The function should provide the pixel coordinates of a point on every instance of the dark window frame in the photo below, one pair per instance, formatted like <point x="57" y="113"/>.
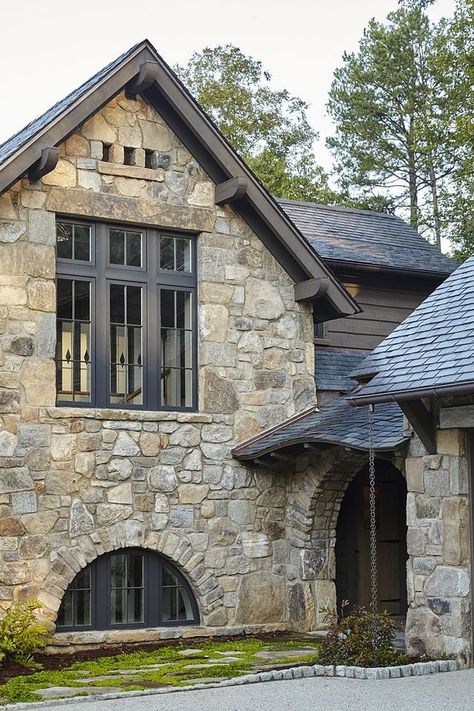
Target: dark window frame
<point x="152" y="594"/>
<point x="100" y="272"/>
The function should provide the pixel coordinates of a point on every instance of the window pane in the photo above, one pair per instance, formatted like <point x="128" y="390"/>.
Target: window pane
<point x="64" y="240"/>
<point x="82" y="238"/>
<point x="183" y="255"/>
<point x="167" y="253"/>
<point x="117" y="303"/>
<point x="176" y="603"/>
<point x="183" y="309"/>
<point x="134" y="249"/>
<point x="168" y="604"/>
<point x="184" y="607"/>
<point x="64" y="297"/>
<point x="118" y="570"/>
<point x="167" y="308"/>
<point x="126" y="348"/>
<point x="135" y="606"/>
<point x="65" y="618"/>
<point x="82" y="579"/>
<point x="118" y="606"/>
<point x="135" y="570"/>
<point x="176" y="348"/>
<point x="82" y="607"/>
<point x="175" y="254"/>
<point x="134" y="305"/>
<point x="117" y="247"/>
<point x="82" y="300"/>
<point x="73" y="343"/>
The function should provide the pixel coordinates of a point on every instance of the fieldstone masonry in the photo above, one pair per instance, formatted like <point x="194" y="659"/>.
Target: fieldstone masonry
<point x="257" y="546"/>
<point x="439" y="595"/>
<point x="78" y="482"/>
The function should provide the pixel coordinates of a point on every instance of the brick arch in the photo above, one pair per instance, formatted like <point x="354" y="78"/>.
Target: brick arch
<point x="128" y="534"/>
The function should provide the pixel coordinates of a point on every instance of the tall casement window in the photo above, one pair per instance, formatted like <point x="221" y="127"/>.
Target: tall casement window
<point x="127" y="588"/>
<point x="126" y="317"/>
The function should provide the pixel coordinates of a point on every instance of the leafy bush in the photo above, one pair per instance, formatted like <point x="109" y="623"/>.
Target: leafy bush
<point x="361" y="638"/>
<point x="21" y="634"/>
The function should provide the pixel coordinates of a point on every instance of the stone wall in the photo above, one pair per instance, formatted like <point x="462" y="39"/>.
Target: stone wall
<point x="439" y="596"/>
<point x="74" y="482"/>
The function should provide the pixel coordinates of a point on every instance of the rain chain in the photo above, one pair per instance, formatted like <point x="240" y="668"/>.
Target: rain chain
<point x="373" y="520"/>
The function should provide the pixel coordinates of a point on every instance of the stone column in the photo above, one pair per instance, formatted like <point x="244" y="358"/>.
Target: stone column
<point x="438" y="568"/>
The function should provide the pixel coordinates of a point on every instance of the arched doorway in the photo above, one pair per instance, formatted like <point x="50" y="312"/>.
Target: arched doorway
<point x="352" y="541"/>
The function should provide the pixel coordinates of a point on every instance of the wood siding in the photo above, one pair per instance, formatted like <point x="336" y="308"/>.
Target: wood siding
<point x="383" y="310"/>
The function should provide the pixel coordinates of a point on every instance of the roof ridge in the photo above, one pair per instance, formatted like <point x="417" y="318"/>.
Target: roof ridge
<point x="338" y="208"/>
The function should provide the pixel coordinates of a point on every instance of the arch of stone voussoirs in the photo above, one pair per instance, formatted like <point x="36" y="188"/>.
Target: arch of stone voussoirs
<point x="132" y="534"/>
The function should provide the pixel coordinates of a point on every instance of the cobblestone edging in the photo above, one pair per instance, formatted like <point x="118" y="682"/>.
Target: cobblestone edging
<point x="405" y="670"/>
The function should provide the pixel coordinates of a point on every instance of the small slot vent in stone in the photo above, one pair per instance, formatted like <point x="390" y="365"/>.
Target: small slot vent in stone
<point x="106" y="152"/>
<point x="128" y="154"/>
<point x="150" y="158"/>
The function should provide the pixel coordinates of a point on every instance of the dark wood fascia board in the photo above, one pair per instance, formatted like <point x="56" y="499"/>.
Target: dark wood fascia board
<point x="311" y="289"/>
<point x="231" y="190"/>
<point x="146" y="77"/>
<point x="63" y="125"/>
<point x="208" y="146"/>
<point x="46" y="163"/>
<point x="377" y="273"/>
<point x="421" y="419"/>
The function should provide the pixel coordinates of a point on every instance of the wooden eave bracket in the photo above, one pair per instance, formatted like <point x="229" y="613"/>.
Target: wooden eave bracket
<point x="312" y="289"/>
<point x="45" y="164"/>
<point x="421" y="419"/>
<point x="144" y="79"/>
<point x="231" y="190"/>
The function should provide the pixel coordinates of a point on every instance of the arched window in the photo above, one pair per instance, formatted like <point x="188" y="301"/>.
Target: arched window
<point x="127" y="588"/>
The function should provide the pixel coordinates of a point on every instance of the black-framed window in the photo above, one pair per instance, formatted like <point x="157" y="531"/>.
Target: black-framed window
<point x="126" y="317"/>
<point x="127" y="588"/>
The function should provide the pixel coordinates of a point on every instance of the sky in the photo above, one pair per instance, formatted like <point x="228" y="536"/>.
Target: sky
<point x="49" y="47"/>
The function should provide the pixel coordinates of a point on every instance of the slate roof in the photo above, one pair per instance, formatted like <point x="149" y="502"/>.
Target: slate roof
<point x="431" y="352"/>
<point x="333" y="367"/>
<point x="15" y="142"/>
<point x="363" y="237"/>
<point x="336" y="423"/>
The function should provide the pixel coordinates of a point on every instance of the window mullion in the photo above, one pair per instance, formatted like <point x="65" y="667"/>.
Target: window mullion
<point x="152" y="334"/>
<point x="101" y="321"/>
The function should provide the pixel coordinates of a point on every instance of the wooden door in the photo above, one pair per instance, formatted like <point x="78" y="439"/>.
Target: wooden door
<point x="352" y="542"/>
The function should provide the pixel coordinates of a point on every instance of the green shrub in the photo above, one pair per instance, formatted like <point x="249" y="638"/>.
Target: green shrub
<point x="21" y="634"/>
<point x="361" y="638"/>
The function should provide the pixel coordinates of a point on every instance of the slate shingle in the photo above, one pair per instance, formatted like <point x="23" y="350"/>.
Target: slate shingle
<point x="433" y="348"/>
<point x="365" y="237"/>
<point x="333" y="367"/>
<point x="336" y="423"/>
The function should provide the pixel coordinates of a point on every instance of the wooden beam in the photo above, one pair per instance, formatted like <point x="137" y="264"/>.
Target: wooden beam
<point x="231" y="190"/>
<point x="281" y="457"/>
<point x="312" y="289"/>
<point x="421" y="420"/>
<point x="46" y="163"/>
<point x="147" y="75"/>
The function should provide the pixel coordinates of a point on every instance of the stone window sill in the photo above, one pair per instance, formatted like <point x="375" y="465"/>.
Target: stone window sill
<point x="96" y="413"/>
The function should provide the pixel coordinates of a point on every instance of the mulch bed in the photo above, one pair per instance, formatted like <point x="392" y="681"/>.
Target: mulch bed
<point x="9" y="669"/>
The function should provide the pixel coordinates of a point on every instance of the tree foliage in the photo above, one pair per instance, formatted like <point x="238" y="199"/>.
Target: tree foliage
<point x="268" y="127"/>
<point x="391" y="102"/>
<point x="457" y="59"/>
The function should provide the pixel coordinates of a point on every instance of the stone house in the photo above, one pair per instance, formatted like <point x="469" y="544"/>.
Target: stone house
<point x="164" y="462"/>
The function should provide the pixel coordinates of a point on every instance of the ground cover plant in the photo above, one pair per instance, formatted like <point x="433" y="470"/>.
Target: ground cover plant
<point x="171" y="665"/>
